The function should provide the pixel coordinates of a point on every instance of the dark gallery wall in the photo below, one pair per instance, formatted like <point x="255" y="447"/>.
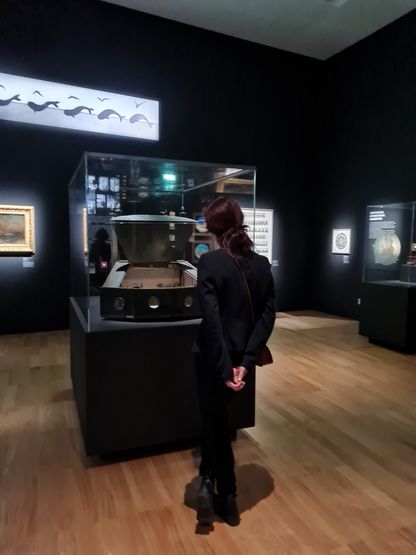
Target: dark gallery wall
<point x="328" y="138"/>
<point x="367" y="152"/>
<point x="222" y="100"/>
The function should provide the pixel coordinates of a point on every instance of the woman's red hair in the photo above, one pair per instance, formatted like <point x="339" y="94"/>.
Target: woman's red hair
<point x="225" y="219"/>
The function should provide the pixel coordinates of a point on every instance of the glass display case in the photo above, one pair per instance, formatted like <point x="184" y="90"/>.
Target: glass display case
<point x="388" y="294"/>
<point x="390" y="248"/>
<point x="137" y="233"/>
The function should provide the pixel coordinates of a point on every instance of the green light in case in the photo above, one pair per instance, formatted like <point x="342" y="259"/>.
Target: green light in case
<point x="171" y="177"/>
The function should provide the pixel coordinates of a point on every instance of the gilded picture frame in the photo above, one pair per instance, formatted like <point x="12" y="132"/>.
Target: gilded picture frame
<point x="17" y="229"/>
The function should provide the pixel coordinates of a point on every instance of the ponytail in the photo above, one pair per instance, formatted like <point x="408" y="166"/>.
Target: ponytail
<point x="237" y="242"/>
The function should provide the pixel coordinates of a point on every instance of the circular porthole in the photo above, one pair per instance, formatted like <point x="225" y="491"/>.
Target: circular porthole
<point x="153" y="302"/>
<point x="201" y="225"/>
<point x="200" y="249"/>
<point x="119" y="303"/>
<point x="189" y="301"/>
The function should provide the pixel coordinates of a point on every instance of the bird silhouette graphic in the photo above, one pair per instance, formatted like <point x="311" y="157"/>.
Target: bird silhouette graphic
<point x="139" y="103"/>
<point x="72" y="96"/>
<point x="102" y="99"/>
<point x="37" y="92"/>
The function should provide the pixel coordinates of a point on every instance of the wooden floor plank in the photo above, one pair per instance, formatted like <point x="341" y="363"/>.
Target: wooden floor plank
<point x="330" y="467"/>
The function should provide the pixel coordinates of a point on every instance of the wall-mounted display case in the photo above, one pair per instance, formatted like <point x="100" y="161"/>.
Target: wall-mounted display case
<point x="390" y="252"/>
<point x="137" y="232"/>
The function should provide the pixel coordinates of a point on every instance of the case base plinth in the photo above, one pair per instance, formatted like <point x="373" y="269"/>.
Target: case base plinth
<point x="388" y="315"/>
<point x="408" y="273"/>
<point x="134" y="383"/>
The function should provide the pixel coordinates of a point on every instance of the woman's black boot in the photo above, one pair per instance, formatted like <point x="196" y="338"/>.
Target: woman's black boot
<point x="205" y="502"/>
<point x="226" y="507"/>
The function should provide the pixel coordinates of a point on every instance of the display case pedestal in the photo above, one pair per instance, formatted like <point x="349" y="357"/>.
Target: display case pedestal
<point x="134" y="383"/>
<point x="388" y="314"/>
<point x="408" y="273"/>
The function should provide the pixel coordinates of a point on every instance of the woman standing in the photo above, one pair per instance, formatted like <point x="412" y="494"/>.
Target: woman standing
<point x="227" y="345"/>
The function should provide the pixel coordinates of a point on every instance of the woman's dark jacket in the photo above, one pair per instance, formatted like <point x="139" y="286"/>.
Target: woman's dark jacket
<point x="227" y="324"/>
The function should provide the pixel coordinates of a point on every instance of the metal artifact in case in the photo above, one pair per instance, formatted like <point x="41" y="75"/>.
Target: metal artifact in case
<point x="155" y="281"/>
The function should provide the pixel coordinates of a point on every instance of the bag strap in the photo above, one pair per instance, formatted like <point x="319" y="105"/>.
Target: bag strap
<point x="246" y="285"/>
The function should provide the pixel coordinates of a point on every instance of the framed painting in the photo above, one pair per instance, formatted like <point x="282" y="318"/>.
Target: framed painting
<point x="341" y="241"/>
<point x="17" y="229"/>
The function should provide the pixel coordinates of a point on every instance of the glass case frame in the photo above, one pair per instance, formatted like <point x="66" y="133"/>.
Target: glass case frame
<point x="107" y="186"/>
<point x="390" y="245"/>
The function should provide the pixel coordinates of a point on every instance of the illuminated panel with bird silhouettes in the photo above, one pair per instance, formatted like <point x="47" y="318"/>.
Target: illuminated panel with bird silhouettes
<point x="32" y="101"/>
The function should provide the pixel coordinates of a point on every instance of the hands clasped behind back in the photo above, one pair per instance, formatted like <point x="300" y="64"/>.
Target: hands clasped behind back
<point x="237" y="383"/>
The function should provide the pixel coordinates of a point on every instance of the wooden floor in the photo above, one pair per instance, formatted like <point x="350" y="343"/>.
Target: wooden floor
<point x="330" y="467"/>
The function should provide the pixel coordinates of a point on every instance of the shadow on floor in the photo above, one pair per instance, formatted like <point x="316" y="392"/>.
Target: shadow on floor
<point x="254" y="483"/>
